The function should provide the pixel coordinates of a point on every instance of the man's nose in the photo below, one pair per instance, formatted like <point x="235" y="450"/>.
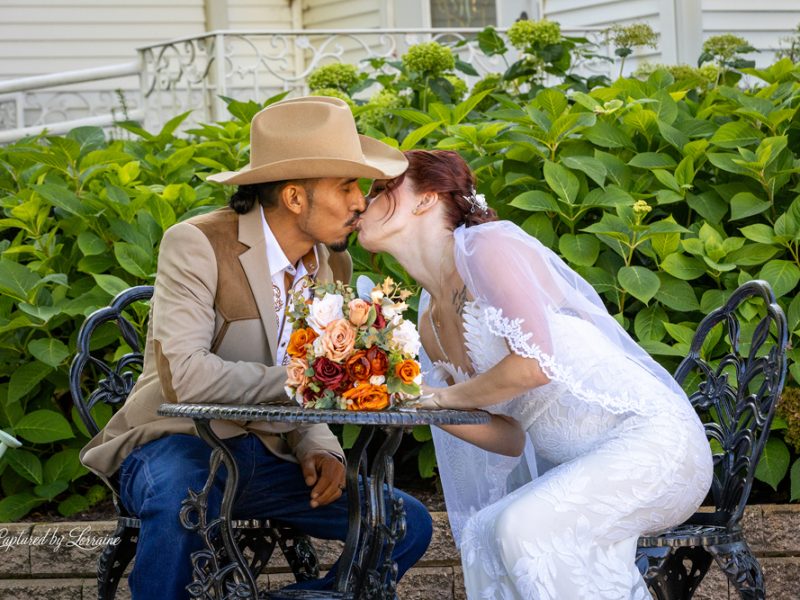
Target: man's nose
<point x="361" y="203"/>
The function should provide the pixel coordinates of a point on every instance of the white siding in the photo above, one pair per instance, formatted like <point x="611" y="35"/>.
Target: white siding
<point x="259" y="14"/>
<point x="341" y="14"/>
<point x="46" y="36"/>
<point x="574" y="14"/>
<point x="763" y="24"/>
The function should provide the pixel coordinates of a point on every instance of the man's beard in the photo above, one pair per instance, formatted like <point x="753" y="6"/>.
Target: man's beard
<point x="339" y="246"/>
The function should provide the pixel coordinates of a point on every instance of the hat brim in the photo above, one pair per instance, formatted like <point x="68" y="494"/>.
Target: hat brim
<point x="381" y="161"/>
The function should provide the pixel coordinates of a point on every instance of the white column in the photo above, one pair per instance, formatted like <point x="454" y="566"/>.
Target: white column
<point x="216" y="12"/>
<point x="689" y="21"/>
<point x="681" y="31"/>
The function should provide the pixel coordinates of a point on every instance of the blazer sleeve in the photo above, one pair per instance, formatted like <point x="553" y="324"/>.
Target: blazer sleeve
<point x="183" y="319"/>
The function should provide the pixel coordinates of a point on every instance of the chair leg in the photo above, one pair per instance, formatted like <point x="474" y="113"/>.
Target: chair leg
<point x="299" y="553"/>
<point x="673" y="573"/>
<point x="113" y="561"/>
<point x="742" y="569"/>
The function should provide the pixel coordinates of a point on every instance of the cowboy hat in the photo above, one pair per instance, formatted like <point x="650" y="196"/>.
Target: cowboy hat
<point x="310" y="137"/>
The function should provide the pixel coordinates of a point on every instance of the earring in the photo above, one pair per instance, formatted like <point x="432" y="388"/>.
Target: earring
<point x="415" y="211"/>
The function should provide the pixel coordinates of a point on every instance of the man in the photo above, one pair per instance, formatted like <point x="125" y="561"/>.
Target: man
<point x="217" y="333"/>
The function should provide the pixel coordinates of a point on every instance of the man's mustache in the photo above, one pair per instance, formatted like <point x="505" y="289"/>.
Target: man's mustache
<point x="354" y="219"/>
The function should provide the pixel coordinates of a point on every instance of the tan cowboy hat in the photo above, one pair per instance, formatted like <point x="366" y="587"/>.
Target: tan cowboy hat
<point x="310" y="137"/>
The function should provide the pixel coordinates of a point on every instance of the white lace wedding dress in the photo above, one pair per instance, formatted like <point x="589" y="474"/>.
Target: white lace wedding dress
<point x="620" y="451"/>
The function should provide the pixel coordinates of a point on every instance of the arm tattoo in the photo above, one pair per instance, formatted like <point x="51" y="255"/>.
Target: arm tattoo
<point x="460" y="299"/>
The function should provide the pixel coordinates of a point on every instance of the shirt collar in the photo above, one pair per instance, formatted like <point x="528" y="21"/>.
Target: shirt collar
<point x="277" y="259"/>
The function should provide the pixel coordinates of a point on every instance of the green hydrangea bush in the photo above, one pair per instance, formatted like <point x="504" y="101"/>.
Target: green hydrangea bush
<point x="665" y="191"/>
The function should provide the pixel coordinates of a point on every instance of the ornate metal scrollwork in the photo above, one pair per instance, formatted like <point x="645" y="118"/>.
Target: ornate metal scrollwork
<point x="735" y="394"/>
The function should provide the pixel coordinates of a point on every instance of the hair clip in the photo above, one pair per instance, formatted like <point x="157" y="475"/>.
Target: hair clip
<point x="477" y="201"/>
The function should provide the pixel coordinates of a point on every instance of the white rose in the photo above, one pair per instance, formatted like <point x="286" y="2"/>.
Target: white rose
<point x="319" y="349"/>
<point x="325" y="310"/>
<point x="405" y="338"/>
<point x="377" y="380"/>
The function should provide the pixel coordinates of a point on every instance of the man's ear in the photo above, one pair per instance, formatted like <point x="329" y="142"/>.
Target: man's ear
<point x="293" y="196"/>
<point x="425" y="202"/>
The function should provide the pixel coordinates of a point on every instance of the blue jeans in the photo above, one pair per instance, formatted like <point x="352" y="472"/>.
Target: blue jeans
<point x="154" y="480"/>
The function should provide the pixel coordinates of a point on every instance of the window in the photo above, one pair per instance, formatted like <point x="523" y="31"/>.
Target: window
<point x="463" y="13"/>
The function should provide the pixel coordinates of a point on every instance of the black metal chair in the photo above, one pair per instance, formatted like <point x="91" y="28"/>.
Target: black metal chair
<point x="110" y="382"/>
<point x="735" y="394"/>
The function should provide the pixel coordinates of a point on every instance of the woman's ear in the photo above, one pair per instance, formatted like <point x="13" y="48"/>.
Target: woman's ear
<point x="425" y="202"/>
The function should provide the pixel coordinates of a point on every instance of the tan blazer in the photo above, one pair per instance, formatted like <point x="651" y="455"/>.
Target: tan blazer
<point x="212" y="337"/>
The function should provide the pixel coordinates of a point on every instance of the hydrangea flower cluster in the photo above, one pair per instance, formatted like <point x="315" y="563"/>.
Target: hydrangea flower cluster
<point x="338" y="76"/>
<point x="376" y="111"/>
<point x="725" y="46"/>
<point x="334" y="93"/>
<point x="527" y="34"/>
<point x="429" y="59"/>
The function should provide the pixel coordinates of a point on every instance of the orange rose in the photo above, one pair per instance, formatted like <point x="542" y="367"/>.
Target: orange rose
<point x="339" y="340"/>
<point x="298" y="341"/>
<point x="378" y="361"/>
<point x="358" y="311"/>
<point x="358" y="366"/>
<point x="366" y="396"/>
<point x="407" y="371"/>
<point x="296" y="373"/>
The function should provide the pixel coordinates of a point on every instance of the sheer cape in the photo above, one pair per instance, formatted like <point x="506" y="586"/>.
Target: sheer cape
<point x="528" y="299"/>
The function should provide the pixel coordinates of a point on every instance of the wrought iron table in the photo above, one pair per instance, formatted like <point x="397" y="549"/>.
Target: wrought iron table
<point x="365" y="569"/>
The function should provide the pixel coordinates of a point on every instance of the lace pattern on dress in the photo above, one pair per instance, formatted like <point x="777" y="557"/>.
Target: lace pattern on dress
<point x="643" y="401"/>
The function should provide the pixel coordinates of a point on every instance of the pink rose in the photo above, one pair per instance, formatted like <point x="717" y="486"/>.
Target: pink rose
<point x="296" y="374"/>
<point x="358" y="311"/>
<point x="339" y="340"/>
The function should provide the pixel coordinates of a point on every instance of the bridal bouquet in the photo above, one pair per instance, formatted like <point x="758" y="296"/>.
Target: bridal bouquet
<point x="350" y="352"/>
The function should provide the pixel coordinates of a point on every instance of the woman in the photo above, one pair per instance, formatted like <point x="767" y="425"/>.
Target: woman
<point x="513" y="330"/>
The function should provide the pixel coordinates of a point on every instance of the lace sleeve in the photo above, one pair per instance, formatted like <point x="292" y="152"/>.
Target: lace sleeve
<point x="545" y="311"/>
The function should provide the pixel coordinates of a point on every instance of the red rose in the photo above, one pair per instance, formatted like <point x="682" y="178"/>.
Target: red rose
<point x="329" y="373"/>
<point x="380" y="321"/>
<point x="379" y="362"/>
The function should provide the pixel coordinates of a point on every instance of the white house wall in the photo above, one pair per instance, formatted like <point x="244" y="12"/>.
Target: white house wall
<point x="775" y="19"/>
<point x="46" y="36"/>
<point x="605" y="13"/>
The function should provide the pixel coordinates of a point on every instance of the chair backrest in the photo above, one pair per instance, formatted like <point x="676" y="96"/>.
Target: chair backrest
<point x="116" y="378"/>
<point x="735" y="392"/>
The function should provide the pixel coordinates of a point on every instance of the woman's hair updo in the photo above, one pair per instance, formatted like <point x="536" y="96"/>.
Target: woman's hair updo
<point x="447" y="174"/>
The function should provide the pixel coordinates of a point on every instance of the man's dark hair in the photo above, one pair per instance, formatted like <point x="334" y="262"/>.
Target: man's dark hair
<point x="266" y="193"/>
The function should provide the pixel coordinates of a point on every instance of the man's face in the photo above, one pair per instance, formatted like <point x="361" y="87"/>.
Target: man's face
<point x="332" y="210"/>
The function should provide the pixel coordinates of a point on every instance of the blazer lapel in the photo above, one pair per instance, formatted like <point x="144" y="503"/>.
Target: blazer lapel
<point x="256" y="268"/>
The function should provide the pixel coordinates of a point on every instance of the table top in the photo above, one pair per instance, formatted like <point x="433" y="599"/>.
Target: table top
<point x="296" y="414"/>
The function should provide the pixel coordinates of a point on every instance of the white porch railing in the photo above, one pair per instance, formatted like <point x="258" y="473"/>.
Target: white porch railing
<point x="192" y="73"/>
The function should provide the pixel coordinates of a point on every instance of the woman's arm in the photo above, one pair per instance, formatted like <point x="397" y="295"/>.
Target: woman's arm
<point x="512" y="376"/>
<point x="502" y="435"/>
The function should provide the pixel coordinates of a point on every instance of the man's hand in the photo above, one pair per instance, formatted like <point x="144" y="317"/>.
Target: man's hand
<point x="324" y="474"/>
